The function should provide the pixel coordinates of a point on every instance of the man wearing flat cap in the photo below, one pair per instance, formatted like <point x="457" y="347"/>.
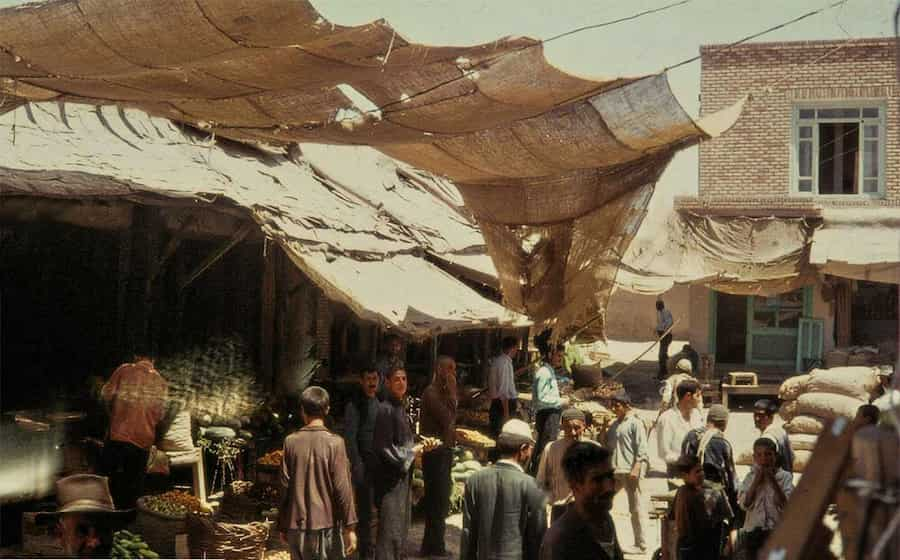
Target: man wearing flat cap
<point x="504" y="512"/>
<point x="550" y="475"/>
<point x="86" y="517"/>
<point x="764" y="419"/>
<point x="715" y="452"/>
<point x="626" y="439"/>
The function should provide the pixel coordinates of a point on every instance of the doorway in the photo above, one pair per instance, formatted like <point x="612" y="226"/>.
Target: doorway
<point x="731" y="328"/>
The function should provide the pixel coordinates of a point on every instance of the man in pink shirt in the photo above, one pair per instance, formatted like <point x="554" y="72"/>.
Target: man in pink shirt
<point x="135" y="396"/>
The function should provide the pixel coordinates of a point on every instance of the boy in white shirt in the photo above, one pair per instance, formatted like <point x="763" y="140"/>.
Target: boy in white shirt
<point x="763" y="495"/>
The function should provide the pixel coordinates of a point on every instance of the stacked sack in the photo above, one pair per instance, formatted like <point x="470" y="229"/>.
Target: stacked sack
<point x="809" y="401"/>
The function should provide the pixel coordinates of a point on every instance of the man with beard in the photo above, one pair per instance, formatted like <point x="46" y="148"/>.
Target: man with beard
<point x="504" y="512"/>
<point x="359" y="433"/>
<point x="396" y="450"/>
<point x="586" y="531"/>
<point x="438" y="420"/>
<point x="551" y="476"/>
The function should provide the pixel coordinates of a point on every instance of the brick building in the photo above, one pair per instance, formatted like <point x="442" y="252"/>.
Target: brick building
<point x="817" y="140"/>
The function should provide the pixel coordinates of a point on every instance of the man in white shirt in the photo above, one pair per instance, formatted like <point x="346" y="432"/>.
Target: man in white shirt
<point x="663" y="324"/>
<point x="551" y="476"/>
<point x="502" y="385"/>
<point x="675" y="423"/>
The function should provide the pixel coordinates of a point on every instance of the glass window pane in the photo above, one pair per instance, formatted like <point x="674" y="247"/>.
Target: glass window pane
<point x="807" y="113"/>
<point x="870" y="158"/>
<point x="838" y="113"/>
<point x="805" y="153"/>
<point x="804" y="185"/>
<point x="870" y="185"/>
<point x="871" y="131"/>
<point x="870" y="112"/>
<point x="789" y="318"/>
<point x="806" y="132"/>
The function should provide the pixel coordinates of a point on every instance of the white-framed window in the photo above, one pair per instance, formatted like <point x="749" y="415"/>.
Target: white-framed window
<point x="838" y="148"/>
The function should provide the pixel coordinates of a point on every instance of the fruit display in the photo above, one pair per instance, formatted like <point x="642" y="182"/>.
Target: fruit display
<point x="473" y="438"/>
<point x="129" y="545"/>
<point x="607" y="389"/>
<point x="464" y="464"/>
<point x="277" y="555"/>
<point x="173" y="502"/>
<point x="241" y="487"/>
<point x="474" y="418"/>
<point x="272" y="459"/>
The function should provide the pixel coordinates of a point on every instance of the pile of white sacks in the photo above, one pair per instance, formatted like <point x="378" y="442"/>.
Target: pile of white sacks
<point x="809" y="401"/>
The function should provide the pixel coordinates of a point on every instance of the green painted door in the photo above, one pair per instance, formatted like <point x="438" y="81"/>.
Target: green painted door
<point x="773" y="324"/>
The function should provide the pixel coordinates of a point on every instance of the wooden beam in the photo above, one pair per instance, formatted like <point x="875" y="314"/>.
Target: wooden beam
<point x="217" y="254"/>
<point x="171" y="246"/>
<point x="795" y="537"/>
<point x="267" y="315"/>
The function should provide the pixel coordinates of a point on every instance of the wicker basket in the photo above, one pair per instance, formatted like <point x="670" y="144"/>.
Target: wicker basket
<point x="208" y="538"/>
<point x="158" y="529"/>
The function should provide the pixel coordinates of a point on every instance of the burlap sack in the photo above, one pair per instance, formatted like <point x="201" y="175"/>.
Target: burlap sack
<point x="803" y="442"/>
<point x="801" y="459"/>
<point x="827" y="405"/>
<point x="805" y="424"/>
<point x="856" y="382"/>
<point x="788" y="410"/>
<point x="793" y="387"/>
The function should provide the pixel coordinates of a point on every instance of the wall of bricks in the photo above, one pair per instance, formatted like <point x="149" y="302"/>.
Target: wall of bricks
<point x="749" y="166"/>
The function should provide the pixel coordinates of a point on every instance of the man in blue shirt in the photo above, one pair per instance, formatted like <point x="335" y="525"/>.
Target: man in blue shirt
<point x="626" y="439"/>
<point x="546" y="402"/>
<point x="663" y="324"/>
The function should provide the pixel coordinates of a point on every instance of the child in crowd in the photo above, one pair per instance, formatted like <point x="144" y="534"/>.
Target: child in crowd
<point x="702" y="513"/>
<point x="763" y="495"/>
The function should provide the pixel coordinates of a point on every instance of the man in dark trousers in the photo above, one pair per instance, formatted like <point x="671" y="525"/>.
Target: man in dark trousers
<point x="586" y="531"/>
<point x="663" y="326"/>
<point x="396" y="450"/>
<point x="504" y="511"/>
<point x="359" y="434"/>
<point x="438" y="420"/>
<point x="318" y="494"/>
<point x="135" y="396"/>
<point x="715" y="453"/>
<point x="501" y="385"/>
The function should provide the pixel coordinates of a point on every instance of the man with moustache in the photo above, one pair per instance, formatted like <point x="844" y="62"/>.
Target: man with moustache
<point x="586" y="531"/>
<point x="359" y="433"/>
<point x="438" y="420"/>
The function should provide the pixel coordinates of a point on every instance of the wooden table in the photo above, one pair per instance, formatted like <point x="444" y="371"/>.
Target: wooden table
<point x="762" y="390"/>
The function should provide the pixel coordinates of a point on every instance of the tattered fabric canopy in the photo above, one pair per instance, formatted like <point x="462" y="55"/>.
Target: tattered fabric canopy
<point x="557" y="168"/>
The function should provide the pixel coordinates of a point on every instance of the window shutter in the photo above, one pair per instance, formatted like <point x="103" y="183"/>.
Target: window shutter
<point x="809" y="343"/>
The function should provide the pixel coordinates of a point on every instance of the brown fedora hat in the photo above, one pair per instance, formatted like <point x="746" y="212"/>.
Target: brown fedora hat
<point x="85" y="493"/>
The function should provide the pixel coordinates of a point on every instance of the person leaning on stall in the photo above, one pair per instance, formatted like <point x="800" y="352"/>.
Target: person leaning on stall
<point x="546" y="402"/>
<point x="135" y="396"/>
<point x="318" y="507"/>
<point x="359" y="435"/>
<point x="438" y="420"/>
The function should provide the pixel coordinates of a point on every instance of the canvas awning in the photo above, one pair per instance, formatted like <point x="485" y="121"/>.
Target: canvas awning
<point x="557" y="168"/>
<point x="863" y="244"/>
<point x="369" y="256"/>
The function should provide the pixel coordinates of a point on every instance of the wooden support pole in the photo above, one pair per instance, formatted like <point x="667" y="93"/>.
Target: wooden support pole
<point x="267" y="315"/>
<point x="217" y="254"/>
<point x="169" y="250"/>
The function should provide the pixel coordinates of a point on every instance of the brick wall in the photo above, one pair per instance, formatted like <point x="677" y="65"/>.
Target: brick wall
<point x="751" y="162"/>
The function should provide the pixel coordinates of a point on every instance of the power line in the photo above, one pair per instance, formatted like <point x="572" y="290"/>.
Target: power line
<point x="761" y="33"/>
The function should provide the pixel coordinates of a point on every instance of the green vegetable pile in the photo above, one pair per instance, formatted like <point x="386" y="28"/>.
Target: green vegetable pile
<point x="464" y="464"/>
<point x="128" y="545"/>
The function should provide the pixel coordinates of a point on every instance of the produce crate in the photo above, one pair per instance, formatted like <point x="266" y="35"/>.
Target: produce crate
<point x="38" y="539"/>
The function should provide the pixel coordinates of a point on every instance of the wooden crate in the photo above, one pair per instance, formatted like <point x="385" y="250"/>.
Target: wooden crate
<point x="40" y="539"/>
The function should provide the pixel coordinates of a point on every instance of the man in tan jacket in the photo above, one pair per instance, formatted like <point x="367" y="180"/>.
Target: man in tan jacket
<point x="318" y="496"/>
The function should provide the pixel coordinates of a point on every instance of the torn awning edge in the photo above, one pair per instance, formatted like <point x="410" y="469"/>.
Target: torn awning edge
<point x="436" y="303"/>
